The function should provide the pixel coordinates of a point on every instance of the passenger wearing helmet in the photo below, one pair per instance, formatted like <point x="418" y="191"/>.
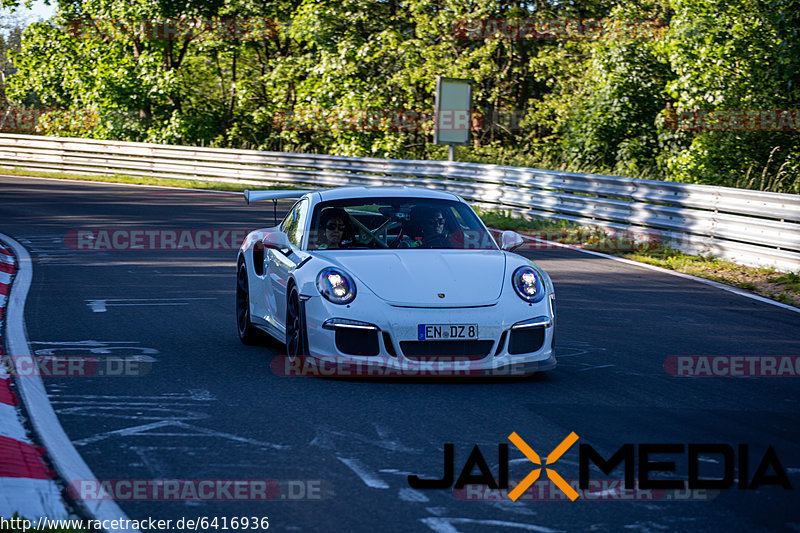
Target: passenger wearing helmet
<point x="334" y="229"/>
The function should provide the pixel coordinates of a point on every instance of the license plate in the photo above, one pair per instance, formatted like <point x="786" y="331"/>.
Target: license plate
<point x="427" y="332"/>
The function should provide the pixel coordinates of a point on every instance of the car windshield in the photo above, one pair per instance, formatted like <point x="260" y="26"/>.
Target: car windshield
<point x="397" y="223"/>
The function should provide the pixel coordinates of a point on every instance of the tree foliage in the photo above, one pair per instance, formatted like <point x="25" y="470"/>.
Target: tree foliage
<point x="356" y="77"/>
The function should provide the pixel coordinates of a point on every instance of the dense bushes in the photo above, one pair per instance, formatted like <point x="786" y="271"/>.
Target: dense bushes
<point x="343" y="76"/>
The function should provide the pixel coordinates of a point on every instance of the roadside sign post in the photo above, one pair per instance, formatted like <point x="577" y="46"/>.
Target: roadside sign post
<point x="453" y="113"/>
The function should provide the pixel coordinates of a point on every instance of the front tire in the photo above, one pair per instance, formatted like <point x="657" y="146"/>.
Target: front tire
<point x="247" y="333"/>
<point x="296" y="338"/>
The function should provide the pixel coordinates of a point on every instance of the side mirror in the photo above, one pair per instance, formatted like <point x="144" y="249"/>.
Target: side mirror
<point x="277" y="240"/>
<point x="510" y="240"/>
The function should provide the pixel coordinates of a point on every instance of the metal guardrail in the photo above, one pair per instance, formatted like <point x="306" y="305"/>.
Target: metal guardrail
<point x="750" y="227"/>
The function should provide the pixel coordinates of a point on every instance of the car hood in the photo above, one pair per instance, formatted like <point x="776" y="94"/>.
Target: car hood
<point x="418" y="278"/>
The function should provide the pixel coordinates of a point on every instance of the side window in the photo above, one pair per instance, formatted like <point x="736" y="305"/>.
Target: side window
<point x="294" y="224"/>
<point x="463" y="224"/>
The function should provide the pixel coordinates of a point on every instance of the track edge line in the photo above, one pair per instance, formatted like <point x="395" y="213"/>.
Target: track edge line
<point x="66" y="460"/>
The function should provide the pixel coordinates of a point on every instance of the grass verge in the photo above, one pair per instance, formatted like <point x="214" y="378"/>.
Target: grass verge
<point x="780" y="286"/>
<point x="767" y="282"/>
<point x="141" y="180"/>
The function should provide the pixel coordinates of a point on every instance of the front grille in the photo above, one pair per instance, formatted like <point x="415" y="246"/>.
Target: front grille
<point x="501" y="344"/>
<point x="525" y="340"/>
<point x="353" y="341"/>
<point x="434" y="350"/>
<point x="387" y="341"/>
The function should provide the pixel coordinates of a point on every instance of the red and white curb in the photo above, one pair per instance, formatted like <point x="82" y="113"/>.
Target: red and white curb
<point x="27" y="486"/>
<point x="26" y="483"/>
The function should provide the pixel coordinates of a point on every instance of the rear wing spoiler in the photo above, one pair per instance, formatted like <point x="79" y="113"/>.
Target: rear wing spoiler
<point x="274" y="195"/>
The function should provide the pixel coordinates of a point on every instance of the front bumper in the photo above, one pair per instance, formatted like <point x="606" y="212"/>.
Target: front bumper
<point x="382" y="340"/>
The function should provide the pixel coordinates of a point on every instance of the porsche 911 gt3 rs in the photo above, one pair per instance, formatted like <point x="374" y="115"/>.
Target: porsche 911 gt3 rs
<point x="394" y="277"/>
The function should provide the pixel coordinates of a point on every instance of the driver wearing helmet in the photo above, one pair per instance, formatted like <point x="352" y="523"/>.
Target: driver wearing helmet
<point x="427" y="229"/>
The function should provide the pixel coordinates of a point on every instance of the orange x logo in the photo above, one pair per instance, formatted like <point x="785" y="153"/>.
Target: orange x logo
<point x="531" y="478"/>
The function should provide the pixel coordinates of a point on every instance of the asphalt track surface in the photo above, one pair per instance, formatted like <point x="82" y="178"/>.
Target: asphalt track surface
<point x="212" y="408"/>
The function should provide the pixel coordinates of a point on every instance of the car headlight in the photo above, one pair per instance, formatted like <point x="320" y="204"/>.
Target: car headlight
<point x="336" y="286"/>
<point x="528" y="284"/>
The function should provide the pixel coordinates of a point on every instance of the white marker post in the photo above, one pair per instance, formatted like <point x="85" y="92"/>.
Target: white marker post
<point x="453" y="113"/>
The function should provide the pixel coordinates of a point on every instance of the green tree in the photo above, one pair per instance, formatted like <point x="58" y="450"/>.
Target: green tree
<point x="341" y="76"/>
<point x="734" y="55"/>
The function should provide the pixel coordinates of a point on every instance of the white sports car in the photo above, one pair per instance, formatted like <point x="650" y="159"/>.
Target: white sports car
<point x="399" y="279"/>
